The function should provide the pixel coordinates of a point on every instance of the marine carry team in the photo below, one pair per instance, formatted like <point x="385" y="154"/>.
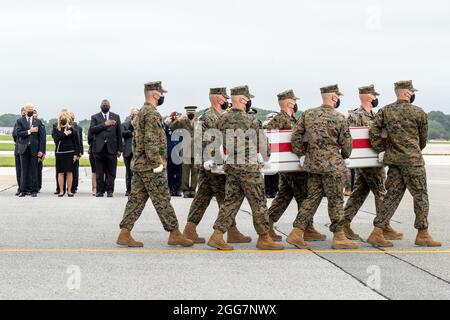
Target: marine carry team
<point x="323" y="175"/>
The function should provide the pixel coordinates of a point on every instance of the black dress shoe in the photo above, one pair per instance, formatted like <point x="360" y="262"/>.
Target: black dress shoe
<point x="56" y="192"/>
<point x="100" y="195"/>
<point x="18" y="193"/>
<point x="177" y="194"/>
<point x="28" y="193"/>
<point x="70" y="195"/>
<point x="34" y="195"/>
<point x="60" y="195"/>
<point x="22" y="194"/>
<point x="127" y="193"/>
<point x="110" y="195"/>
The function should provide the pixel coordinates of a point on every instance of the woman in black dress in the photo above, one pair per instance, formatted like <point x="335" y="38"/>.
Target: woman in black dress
<point x="66" y="151"/>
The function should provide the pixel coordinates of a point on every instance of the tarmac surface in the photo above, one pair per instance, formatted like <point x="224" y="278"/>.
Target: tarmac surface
<point x="64" y="248"/>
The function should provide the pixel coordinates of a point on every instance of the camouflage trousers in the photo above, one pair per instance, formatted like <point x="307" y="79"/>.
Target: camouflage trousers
<point x="291" y="186"/>
<point x="145" y="185"/>
<point x="398" y="180"/>
<point x="239" y="185"/>
<point x="367" y="179"/>
<point x="209" y="185"/>
<point x="189" y="177"/>
<point x="330" y="185"/>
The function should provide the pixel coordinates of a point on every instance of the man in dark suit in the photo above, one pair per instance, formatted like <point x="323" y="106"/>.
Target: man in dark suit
<point x="127" y="134"/>
<point x="16" y="152"/>
<point x="76" y="165"/>
<point x="107" y="146"/>
<point x="31" y="140"/>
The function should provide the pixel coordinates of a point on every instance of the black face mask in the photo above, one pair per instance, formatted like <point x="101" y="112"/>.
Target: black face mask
<point x="225" y="105"/>
<point x="374" y="103"/>
<point x="191" y="116"/>
<point x="338" y="103"/>
<point x="30" y="114"/>
<point x="105" y="109"/>
<point x="248" y="105"/>
<point x="412" y="99"/>
<point x="63" y="123"/>
<point x="160" y="100"/>
<point x="295" y="108"/>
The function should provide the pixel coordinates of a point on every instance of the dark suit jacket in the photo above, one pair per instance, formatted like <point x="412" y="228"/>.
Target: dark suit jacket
<point x="36" y="141"/>
<point x="100" y="133"/>
<point x="127" y="134"/>
<point x="79" y="131"/>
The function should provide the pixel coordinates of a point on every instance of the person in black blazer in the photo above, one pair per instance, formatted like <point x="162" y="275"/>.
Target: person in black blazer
<point x="76" y="165"/>
<point x="32" y="143"/>
<point x="16" y="152"/>
<point x="107" y="146"/>
<point x="127" y="134"/>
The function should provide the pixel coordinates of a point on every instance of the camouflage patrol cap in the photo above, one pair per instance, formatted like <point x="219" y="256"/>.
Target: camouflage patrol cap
<point x="368" y="90"/>
<point x="241" y="91"/>
<point x="288" y="94"/>
<point x="190" y="108"/>
<point x="331" y="89"/>
<point x="219" y="91"/>
<point x="407" y="84"/>
<point x="154" y="86"/>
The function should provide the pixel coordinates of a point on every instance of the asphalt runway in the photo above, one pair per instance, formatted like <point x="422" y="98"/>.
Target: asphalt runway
<point x="64" y="248"/>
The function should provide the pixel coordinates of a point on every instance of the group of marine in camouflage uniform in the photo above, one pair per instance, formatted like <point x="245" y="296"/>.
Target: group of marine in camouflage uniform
<point x="323" y="160"/>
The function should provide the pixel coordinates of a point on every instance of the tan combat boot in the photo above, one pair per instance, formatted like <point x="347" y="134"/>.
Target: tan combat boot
<point x="275" y="237"/>
<point x="216" y="241"/>
<point x="391" y="234"/>
<point x="349" y="233"/>
<point x="341" y="242"/>
<point x="296" y="238"/>
<point x="190" y="232"/>
<point x="424" y="239"/>
<point x="125" y="239"/>
<point x="311" y="234"/>
<point x="377" y="239"/>
<point x="235" y="236"/>
<point x="265" y="242"/>
<point x="177" y="239"/>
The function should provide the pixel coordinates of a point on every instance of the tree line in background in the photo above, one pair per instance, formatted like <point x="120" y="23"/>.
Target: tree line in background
<point x="439" y="123"/>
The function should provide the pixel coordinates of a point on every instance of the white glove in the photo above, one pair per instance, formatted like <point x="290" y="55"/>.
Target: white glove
<point x="266" y="165"/>
<point x="208" y="165"/>
<point x="302" y="161"/>
<point x="347" y="162"/>
<point x="159" y="169"/>
<point x="381" y="157"/>
<point x="260" y="159"/>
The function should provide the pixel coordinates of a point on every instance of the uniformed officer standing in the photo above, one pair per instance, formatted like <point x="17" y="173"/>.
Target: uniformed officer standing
<point x="327" y="131"/>
<point x="294" y="184"/>
<point x="407" y="134"/>
<point x="149" y="177"/>
<point x="244" y="178"/>
<point x="367" y="179"/>
<point x="190" y="170"/>
<point x="210" y="184"/>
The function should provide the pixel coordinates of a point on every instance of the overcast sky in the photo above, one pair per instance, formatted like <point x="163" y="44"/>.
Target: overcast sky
<point x="75" y="53"/>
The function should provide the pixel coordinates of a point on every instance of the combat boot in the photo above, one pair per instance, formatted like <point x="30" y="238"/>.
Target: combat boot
<point x="296" y="238"/>
<point x="190" y="232"/>
<point x="377" y="239"/>
<point x="424" y="239"/>
<point x="216" y="241"/>
<point x="311" y="234"/>
<point x="177" y="239"/>
<point x="125" y="239"/>
<point x="341" y="242"/>
<point x="265" y="242"/>
<point x="391" y="234"/>
<point x="235" y="236"/>
<point x="349" y="233"/>
<point x="275" y="237"/>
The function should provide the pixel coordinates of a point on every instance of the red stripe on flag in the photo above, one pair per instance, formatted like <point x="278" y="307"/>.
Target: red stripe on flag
<point x="361" y="144"/>
<point x="281" y="147"/>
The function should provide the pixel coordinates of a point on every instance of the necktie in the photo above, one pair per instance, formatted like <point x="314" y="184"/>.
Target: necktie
<point x="106" y="117"/>
<point x="29" y="122"/>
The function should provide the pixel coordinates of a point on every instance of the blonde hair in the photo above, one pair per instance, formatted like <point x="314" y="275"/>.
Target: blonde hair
<point x="65" y="116"/>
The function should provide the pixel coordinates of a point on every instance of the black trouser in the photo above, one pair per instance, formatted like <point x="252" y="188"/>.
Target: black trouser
<point x="76" y="175"/>
<point x="18" y="170"/>
<point x="29" y="172"/>
<point x="106" y="168"/>
<point x="128" y="172"/>
<point x="40" y="168"/>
